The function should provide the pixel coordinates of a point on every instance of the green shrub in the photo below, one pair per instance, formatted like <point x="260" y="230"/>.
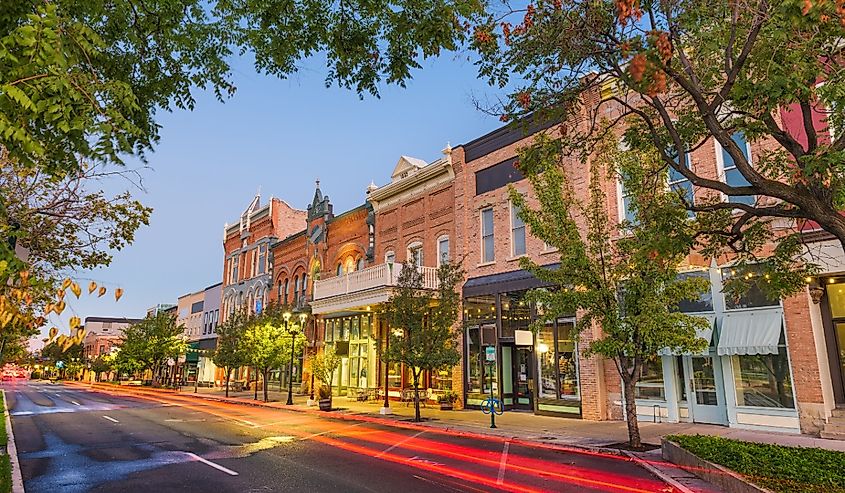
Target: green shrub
<point x="779" y="468"/>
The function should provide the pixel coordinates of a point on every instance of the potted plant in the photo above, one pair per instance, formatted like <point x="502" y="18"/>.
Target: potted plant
<point x="325" y="395"/>
<point x="324" y="366"/>
<point x="447" y="400"/>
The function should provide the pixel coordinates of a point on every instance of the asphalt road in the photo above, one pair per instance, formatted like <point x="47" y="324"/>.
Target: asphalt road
<point x="71" y="439"/>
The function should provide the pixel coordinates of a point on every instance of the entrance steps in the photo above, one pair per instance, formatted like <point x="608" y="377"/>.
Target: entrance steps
<point x="835" y="427"/>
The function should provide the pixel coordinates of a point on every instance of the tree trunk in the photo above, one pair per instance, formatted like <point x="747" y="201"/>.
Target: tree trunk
<point x="266" y="374"/>
<point x="255" y="385"/>
<point x="417" y="417"/>
<point x="228" y="377"/>
<point x="634" y="440"/>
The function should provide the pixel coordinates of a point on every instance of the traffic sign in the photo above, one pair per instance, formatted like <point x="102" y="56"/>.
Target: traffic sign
<point x="490" y="354"/>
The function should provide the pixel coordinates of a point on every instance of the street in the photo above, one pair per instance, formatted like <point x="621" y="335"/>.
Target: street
<point x="72" y="439"/>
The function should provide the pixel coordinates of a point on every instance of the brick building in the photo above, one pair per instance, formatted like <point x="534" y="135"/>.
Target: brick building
<point x="103" y="336"/>
<point x="247" y="276"/>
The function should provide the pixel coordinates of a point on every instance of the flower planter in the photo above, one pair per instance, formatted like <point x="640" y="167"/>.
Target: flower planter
<point x="325" y="404"/>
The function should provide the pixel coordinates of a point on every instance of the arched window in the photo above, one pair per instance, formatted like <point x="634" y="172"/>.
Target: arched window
<point x="350" y="264"/>
<point x="360" y="265"/>
<point x="389" y="257"/>
<point x="287" y="290"/>
<point x="415" y="252"/>
<point x="295" y="288"/>
<point x="442" y="250"/>
<point x="304" y="284"/>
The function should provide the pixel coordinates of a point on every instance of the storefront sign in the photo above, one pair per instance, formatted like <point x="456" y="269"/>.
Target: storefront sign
<point x="523" y="338"/>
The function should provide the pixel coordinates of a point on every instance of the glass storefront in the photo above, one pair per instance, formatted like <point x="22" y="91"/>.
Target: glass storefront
<point x="546" y="372"/>
<point x="354" y="341"/>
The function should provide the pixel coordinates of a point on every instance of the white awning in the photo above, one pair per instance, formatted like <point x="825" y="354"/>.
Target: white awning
<point x="751" y="332"/>
<point x="706" y="334"/>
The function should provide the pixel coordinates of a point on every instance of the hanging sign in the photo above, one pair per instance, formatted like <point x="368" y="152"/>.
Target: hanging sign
<point x="490" y="354"/>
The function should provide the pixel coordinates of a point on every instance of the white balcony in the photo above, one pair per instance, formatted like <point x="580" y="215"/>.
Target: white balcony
<point x="368" y="286"/>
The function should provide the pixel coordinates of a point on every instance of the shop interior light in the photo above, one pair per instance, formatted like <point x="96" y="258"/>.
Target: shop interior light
<point x="542" y="348"/>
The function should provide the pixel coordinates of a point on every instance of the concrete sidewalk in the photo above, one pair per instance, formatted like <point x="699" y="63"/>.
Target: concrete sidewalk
<point x="526" y="425"/>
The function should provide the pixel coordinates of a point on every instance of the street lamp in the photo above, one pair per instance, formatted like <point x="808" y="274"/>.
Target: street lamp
<point x="302" y="318"/>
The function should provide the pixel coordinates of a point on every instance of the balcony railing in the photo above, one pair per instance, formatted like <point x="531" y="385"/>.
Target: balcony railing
<point x="372" y="277"/>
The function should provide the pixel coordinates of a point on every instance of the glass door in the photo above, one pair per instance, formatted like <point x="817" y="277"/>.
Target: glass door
<point x="707" y="401"/>
<point x="523" y="378"/>
<point x="840" y="345"/>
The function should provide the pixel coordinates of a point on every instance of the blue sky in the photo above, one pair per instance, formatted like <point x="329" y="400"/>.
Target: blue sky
<point x="279" y="135"/>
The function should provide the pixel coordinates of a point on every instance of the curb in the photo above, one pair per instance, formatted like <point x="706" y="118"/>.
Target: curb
<point x="660" y="474"/>
<point x="12" y="450"/>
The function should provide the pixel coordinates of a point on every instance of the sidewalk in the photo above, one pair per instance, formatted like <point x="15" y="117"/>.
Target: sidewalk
<point x="526" y="425"/>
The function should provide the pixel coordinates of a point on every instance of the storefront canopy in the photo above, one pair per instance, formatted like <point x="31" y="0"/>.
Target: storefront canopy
<point x="750" y="332"/>
<point x="706" y="334"/>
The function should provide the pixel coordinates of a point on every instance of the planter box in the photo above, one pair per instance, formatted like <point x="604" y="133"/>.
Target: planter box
<point x="723" y="478"/>
<point x="446" y="406"/>
<point x="325" y="404"/>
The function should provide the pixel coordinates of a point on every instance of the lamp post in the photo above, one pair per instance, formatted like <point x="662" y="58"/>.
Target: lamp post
<point x="286" y="316"/>
<point x="302" y="318"/>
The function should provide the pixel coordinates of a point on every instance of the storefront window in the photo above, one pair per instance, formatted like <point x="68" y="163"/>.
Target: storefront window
<point x="557" y="361"/>
<point x="516" y="313"/>
<point x="355" y="329"/>
<point x="474" y="359"/>
<point x="753" y="297"/>
<point x="329" y="327"/>
<point x="567" y="360"/>
<point x="547" y="375"/>
<point x="763" y="380"/>
<point x="703" y="303"/>
<point x="442" y="380"/>
<point x="650" y="385"/>
<point x="479" y="309"/>
<point x="394" y="375"/>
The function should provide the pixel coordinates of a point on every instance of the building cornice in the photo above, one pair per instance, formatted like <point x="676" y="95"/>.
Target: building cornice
<point x="434" y="170"/>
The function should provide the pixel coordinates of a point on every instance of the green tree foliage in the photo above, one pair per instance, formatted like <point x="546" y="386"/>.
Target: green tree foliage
<point x="54" y="352"/>
<point x="323" y="366"/>
<point x="422" y="334"/>
<point x="84" y="79"/>
<point x="623" y="278"/>
<point x="232" y="352"/>
<point x="102" y="364"/>
<point x="268" y="340"/>
<point x="148" y="344"/>
<point x="677" y="75"/>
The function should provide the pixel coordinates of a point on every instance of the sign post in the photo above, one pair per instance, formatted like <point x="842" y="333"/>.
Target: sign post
<point x="490" y="360"/>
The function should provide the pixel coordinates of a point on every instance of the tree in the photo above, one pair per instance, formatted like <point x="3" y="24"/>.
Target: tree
<point x="323" y="366"/>
<point x="677" y="76"/>
<point x="83" y="81"/>
<point x="231" y="352"/>
<point x="263" y="341"/>
<point x="103" y="363"/>
<point x="422" y="335"/>
<point x="148" y="344"/>
<point x="624" y="277"/>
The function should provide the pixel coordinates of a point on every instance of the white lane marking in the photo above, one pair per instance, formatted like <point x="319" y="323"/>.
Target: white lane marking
<point x="111" y="419"/>
<point x="212" y="464"/>
<point x="503" y="463"/>
<point x="78" y="404"/>
<point x="400" y="442"/>
<point x="22" y="413"/>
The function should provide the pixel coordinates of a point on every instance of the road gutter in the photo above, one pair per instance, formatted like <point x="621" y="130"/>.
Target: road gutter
<point x="12" y="450"/>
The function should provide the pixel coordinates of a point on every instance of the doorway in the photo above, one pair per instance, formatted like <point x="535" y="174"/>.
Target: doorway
<point x="833" y="312"/>
<point x="523" y="378"/>
<point x="706" y="389"/>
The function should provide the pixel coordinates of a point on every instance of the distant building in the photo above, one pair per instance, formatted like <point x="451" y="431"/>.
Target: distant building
<point x="102" y="334"/>
<point x="161" y="307"/>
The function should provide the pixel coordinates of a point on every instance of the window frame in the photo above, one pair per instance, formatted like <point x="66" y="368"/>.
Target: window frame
<point x="440" y="254"/>
<point x="723" y="170"/>
<point x="491" y="235"/>
<point x="514" y="214"/>
<point x="415" y="251"/>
